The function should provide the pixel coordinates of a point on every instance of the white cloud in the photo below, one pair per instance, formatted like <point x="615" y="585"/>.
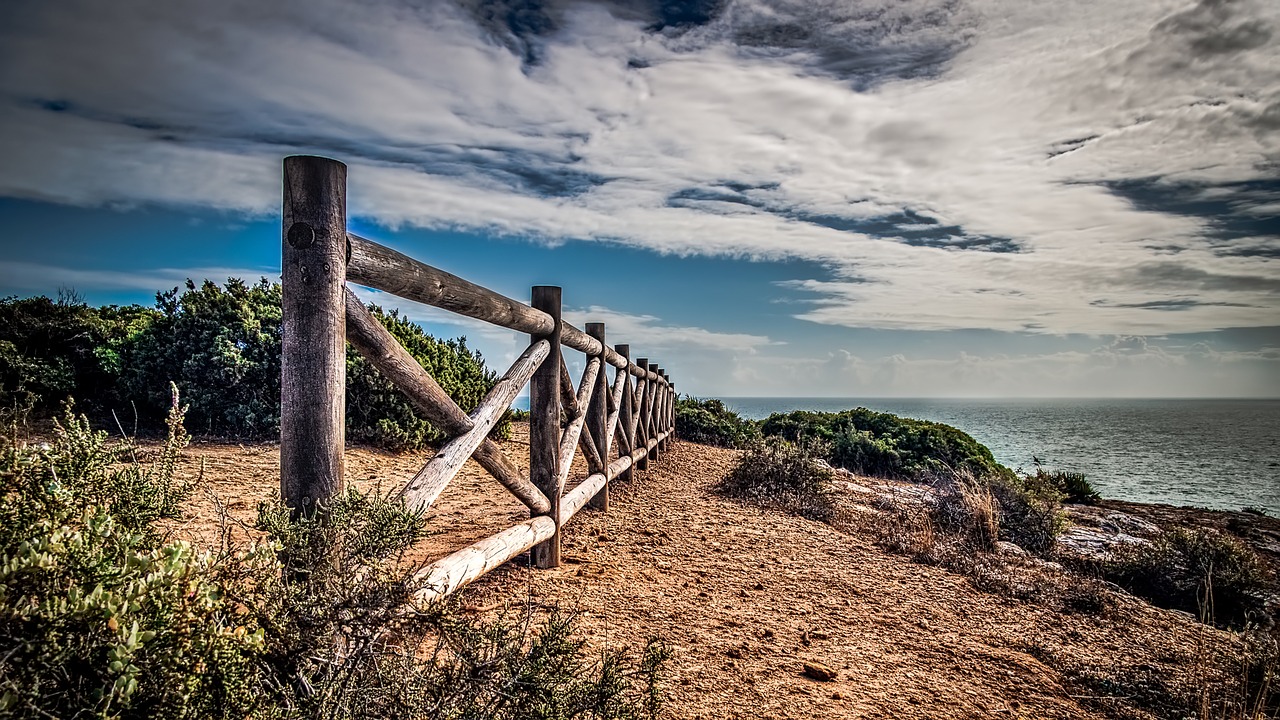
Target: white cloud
<point x="190" y="102"/>
<point x="40" y="278"/>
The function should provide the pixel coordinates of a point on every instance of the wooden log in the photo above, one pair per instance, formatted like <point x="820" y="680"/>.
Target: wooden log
<point x="655" y="410"/>
<point x="580" y="341"/>
<point x="432" y="479"/>
<point x="626" y="427"/>
<point x="598" y="419"/>
<point x="544" y="423"/>
<point x="380" y="348"/>
<point x="573" y="432"/>
<point x="642" y="408"/>
<point x="568" y="397"/>
<point x="449" y="574"/>
<point x="313" y="368"/>
<point x="573" y="410"/>
<point x="382" y="268"/>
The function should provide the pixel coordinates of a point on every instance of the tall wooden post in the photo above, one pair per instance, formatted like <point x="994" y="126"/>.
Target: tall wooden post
<point x="624" y="415"/>
<point x="642" y="421"/>
<point x="544" y="423"/>
<point x="313" y="369"/>
<point x="598" y="416"/>
<point x="668" y="419"/>
<point x="675" y="398"/>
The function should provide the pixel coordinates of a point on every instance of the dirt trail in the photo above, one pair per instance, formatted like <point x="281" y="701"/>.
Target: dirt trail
<point x="746" y="596"/>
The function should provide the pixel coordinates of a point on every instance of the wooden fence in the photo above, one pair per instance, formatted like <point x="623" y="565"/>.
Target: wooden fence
<point x="617" y="424"/>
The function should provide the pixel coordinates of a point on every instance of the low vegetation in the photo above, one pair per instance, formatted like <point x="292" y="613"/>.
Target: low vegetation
<point x="102" y="614"/>
<point x="1205" y="572"/>
<point x="885" y="445"/>
<point x="221" y="346"/>
<point x="709" y="422"/>
<point x="773" y="472"/>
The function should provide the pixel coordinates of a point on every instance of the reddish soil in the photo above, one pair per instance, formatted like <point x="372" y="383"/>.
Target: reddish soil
<point x="746" y="596"/>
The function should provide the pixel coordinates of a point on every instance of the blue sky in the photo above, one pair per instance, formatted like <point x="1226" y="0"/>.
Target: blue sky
<point x="770" y="197"/>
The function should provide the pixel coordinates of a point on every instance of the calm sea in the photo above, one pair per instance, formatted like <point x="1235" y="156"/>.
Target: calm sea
<point x="1222" y="454"/>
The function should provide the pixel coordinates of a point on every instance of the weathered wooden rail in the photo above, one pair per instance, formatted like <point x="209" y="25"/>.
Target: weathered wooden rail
<point x="617" y="424"/>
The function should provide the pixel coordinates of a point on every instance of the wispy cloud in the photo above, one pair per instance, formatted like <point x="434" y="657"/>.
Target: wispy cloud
<point x="35" y="277"/>
<point x="954" y="165"/>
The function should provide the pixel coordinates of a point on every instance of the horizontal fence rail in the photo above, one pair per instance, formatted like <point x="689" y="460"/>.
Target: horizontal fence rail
<point x="617" y="425"/>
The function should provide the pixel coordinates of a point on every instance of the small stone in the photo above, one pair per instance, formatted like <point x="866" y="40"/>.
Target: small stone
<point x="767" y="633"/>
<point x="837" y="696"/>
<point x="818" y="671"/>
<point x="759" y="586"/>
<point x="735" y="653"/>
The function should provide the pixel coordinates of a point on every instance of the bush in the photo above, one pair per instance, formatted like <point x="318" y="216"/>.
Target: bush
<point x="222" y="348"/>
<point x="1073" y="486"/>
<point x="101" y="617"/>
<point x="53" y="349"/>
<point x="1030" y="511"/>
<point x="776" y="473"/>
<point x="221" y="345"/>
<point x="1200" y="571"/>
<point x="709" y="422"/>
<point x="886" y="445"/>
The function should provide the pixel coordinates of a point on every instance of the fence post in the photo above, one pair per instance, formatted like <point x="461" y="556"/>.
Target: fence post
<point x="642" y="426"/>
<point x="675" y="400"/>
<point x="624" y="415"/>
<point x="313" y="369"/>
<point x="598" y="417"/>
<point x="544" y="423"/>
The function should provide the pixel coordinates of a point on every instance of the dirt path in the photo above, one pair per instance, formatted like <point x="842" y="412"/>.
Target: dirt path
<point x="746" y="596"/>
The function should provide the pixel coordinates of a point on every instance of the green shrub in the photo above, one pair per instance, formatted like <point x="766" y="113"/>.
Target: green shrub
<point x="773" y="472"/>
<point x="1200" y="571"/>
<point x="53" y="349"/>
<point x="1073" y="486"/>
<point x="1030" y="512"/>
<point x="97" y="615"/>
<point x="221" y="345"/>
<point x="709" y="422"/>
<point x="875" y="443"/>
<point x="101" y="617"/>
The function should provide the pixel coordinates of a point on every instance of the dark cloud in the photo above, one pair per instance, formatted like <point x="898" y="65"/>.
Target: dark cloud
<point x="1167" y="305"/>
<point x="908" y="227"/>
<point x="1213" y="27"/>
<point x="866" y="44"/>
<point x="1240" y="217"/>
<point x="1161" y="275"/>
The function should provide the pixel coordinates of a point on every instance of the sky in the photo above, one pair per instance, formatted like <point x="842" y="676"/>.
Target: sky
<point x="920" y="198"/>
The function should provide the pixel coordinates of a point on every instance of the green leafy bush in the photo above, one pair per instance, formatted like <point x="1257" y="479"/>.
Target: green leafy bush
<point x="1073" y="486"/>
<point x="1200" y="571"/>
<point x="1030" y="511"/>
<point x="221" y="346"/>
<point x="875" y="443"/>
<point x="53" y="349"/>
<point x="101" y="616"/>
<point x="773" y="472"/>
<point x="709" y="422"/>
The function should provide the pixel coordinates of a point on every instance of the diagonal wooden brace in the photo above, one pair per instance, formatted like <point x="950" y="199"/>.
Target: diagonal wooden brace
<point x="432" y="479"/>
<point x="381" y="349"/>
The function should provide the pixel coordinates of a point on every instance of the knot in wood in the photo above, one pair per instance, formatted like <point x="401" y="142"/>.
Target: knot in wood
<point x="301" y="235"/>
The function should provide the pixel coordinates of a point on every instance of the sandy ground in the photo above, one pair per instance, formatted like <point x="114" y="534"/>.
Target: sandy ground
<point x="746" y="596"/>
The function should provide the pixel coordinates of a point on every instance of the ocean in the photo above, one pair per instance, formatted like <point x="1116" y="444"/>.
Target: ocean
<point x="1221" y="454"/>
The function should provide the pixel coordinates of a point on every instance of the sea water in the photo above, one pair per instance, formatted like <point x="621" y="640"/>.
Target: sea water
<point x="1222" y="454"/>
